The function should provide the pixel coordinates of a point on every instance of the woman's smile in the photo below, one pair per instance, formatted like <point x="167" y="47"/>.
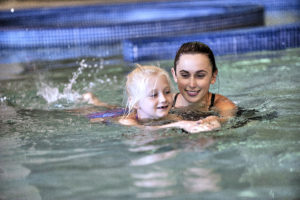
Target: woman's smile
<point x="192" y="93"/>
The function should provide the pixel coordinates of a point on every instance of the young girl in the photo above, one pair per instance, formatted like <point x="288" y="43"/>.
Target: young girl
<point x="194" y="71"/>
<point x="149" y="98"/>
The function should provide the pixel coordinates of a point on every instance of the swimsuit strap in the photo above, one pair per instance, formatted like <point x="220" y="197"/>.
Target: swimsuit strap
<point x="108" y="113"/>
<point x="175" y="98"/>
<point x="212" y="100"/>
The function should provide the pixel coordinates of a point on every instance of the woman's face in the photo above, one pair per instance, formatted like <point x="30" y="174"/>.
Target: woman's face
<point x="193" y="77"/>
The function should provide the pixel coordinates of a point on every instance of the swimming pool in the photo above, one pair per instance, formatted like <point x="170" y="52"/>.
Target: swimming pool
<point x="48" y="153"/>
<point x="98" y="30"/>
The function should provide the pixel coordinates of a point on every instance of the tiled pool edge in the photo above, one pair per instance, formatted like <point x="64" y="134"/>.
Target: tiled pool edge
<point x="222" y="42"/>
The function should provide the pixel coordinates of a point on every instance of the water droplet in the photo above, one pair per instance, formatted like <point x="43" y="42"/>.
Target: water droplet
<point x="2" y="99"/>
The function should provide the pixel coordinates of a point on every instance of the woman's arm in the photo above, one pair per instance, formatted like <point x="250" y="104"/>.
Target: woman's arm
<point x="225" y="108"/>
<point x="189" y="126"/>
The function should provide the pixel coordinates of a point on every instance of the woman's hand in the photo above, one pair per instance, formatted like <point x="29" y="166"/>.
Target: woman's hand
<point x="194" y="126"/>
<point x="199" y="126"/>
<point x="211" y="121"/>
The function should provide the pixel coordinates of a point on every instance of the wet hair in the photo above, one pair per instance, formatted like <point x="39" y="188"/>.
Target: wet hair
<point x="137" y="81"/>
<point x="196" y="48"/>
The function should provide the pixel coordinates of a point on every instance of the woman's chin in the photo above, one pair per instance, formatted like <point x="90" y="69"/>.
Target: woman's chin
<point x="192" y="99"/>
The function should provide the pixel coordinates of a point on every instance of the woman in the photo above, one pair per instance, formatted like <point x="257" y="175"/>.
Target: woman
<point x="194" y="71"/>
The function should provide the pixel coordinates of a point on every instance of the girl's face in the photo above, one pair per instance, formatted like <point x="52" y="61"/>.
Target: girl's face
<point x="158" y="100"/>
<point x="193" y="77"/>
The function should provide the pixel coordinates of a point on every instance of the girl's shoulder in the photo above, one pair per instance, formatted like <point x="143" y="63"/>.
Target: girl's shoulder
<point x="129" y="120"/>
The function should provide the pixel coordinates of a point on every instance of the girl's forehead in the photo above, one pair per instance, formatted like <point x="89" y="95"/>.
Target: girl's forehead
<point x="156" y="82"/>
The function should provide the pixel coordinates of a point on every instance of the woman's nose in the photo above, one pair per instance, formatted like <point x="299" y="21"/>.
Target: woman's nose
<point x="192" y="82"/>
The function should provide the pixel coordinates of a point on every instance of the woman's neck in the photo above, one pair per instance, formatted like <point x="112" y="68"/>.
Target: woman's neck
<point x="202" y="103"/>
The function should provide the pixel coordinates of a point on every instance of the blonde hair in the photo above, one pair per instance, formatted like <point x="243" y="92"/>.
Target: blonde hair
<point x="137" y="82"/>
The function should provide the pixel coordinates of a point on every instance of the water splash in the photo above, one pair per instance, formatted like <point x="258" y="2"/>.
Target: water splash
<point x="3" y="99"/>
<point x="76" y="74"/>
<point x="52" y="94"/>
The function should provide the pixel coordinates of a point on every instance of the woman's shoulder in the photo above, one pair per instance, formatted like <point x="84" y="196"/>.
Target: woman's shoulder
<point x="223" y="102"/>
<point x="225" y="107"/>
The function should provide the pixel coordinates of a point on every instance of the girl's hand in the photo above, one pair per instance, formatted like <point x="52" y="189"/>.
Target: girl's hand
<point x="90" y="98"/>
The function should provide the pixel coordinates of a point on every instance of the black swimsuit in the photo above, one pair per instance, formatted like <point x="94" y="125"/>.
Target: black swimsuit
<point x="212" y="100"/>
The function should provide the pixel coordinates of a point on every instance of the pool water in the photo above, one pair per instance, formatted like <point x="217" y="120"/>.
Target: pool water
<point x="49" y="153"/>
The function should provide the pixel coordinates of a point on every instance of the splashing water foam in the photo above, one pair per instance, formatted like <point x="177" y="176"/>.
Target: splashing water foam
<point x="52" y="94"/>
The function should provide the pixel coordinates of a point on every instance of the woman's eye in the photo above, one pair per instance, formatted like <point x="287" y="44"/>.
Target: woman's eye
<point x="200" y="75"/>
<point x="184" y="75"/>
<point x="168" y="92"/>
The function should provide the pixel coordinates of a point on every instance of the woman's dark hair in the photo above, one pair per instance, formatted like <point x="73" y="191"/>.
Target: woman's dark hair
<point x="195" y="48"/>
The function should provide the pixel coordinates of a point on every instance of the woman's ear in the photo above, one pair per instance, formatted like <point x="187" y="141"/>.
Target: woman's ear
<point x="214" y="77"/>
<point x="174" y="74"/>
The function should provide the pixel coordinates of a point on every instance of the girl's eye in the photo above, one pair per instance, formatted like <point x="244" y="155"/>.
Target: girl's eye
<point x="153" y="95"/>
<point x="168" y="92"/>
